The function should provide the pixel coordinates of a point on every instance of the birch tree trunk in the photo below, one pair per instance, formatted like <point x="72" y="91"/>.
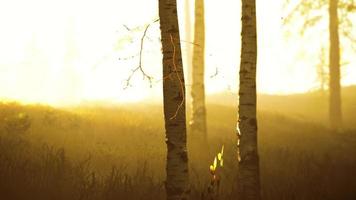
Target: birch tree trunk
<point x="177" y="180"/>
<point x="249" y="180"/>
<point x="188" y="38"/>
<point x="198" y="120"/>
<point x="334" y="68"/>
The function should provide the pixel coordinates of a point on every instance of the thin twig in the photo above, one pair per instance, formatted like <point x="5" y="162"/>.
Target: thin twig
<point x="126" y="27"/>
<point x="180" y="81"/>
<point x="216" y="73"/>
<point x="129" y="57"/>
<point x="195" y="44"/>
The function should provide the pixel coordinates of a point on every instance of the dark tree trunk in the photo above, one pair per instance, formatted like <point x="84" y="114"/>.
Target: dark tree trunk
<point x="334" y="68"/>
<point x="177" y="180"/>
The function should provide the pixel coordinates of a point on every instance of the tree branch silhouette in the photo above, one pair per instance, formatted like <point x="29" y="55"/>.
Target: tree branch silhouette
<point x="139" y="67"/>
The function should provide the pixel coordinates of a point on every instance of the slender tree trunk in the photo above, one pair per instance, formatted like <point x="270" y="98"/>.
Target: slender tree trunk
<point x="177" y="180"/>
<point x="198" y="120"/>
<point x="188" y="38"/>
<point x="321" y="72"/>
<point x="249" y="179"/>
<point x="334" y="68"/>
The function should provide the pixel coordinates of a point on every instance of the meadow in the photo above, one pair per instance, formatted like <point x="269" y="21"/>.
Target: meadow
<point x="102" y="152"/>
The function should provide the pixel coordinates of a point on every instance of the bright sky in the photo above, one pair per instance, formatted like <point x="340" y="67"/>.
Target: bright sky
<point x="72" y="51"/>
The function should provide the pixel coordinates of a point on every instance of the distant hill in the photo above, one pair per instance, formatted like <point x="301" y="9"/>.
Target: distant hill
<point x="312" y="106"/>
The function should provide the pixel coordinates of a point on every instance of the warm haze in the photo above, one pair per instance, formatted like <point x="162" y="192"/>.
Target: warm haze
<point x="65" y="52"/>
<point x="177" y="100"/>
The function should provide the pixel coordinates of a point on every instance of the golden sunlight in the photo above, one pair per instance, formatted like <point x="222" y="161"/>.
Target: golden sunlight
<point x="93" y="104"/>
<point x="64" y="52"/>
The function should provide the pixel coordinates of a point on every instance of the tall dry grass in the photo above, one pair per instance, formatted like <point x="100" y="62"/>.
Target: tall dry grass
<point x="119" y="153"/>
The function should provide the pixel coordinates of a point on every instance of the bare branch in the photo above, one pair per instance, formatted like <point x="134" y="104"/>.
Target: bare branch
<point x="127" y="28"/>
<point x="292" y="13"/>
<point x="190" y="43"/>
<point x="304" y="8"/>
<point x="139" y="67"/>
<point x="346" y="27"/>
<point x="310" y="22"/>
<point x="129" y="57"/>
<point x="216" y="73"/>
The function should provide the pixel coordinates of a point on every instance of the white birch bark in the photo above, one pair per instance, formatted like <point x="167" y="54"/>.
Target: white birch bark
<point x="249" y="180"/>
<point x="177" y="180"/>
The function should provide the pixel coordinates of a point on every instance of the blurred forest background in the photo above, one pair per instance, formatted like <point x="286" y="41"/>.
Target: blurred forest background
<point x="77" y="123"/>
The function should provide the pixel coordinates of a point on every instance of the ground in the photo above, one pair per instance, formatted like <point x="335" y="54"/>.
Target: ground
<point x="106" y="152"/>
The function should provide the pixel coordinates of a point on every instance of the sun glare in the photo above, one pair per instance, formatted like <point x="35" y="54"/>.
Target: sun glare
<point x="65" y="52"/>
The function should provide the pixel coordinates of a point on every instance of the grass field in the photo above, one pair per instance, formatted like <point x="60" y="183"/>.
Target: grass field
<point x="105" y="152"/>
